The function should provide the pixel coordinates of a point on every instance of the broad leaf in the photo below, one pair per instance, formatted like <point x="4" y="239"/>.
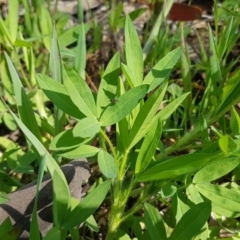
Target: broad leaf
<point x="58" y="94"/>
<point x="108" y="86"/>
<point x="66" y="140"/>
<point x="107" y="164"/>
<point x="145" y="116"/>
<point x="216" y="169"/>
<point x="80" y="152"/>
<point x="223" y="199"/>
<point x="162" y="69"/>
<point x="123" y="106"/>
<point x="191" y="222"/>
<point x="148" y="147"/>
<point x="154" y="223"/>
<point x="87" y="127"/>
<point x="87" y="206"/>
<point x="80" y="93"/>
<point x="176" y="166"/>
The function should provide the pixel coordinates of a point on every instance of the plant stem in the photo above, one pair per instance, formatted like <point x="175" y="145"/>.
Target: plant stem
<point x="109" y="144"/>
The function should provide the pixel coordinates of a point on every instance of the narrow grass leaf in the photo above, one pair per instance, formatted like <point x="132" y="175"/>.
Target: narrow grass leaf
<point x="80" y="53"/>
<point x="216" y="169"/>
<point x="55" y="64"/>
<point x="194" y="219"/>
<point x="162" y="69"/>
<point x="231" y="96"/>
<point x="176" y="166"/>
<point x="80" y="93"/>
<point x="87" y="206"/>
<point x="5" y="31"/>
<point x="224" y="39"/>
<point x="46" y="26"/>
<point x="216" y="76"/>
<point x="107" y="164"/>
<point x="66" y="140"/>
<point x="155" y="30"/>
<point x="61" y="200"/>
<point x="70" y="35"/>
<point x="148" y="147"/>
<point x="81" y="152"/>
<point x="133" y="52"/>
<point x="124" y="105"/>
<point x="58" y="94"/>
<point x="171" y="107"/>
<point x="154" y="223"/>
<point x="221" y="197"/>
<point x="145" y="116"/>
<point x="55" y="71"/>
<point x="52" y="166"/>
<point x="12" y="18"/>
<point x="24" y="106"/>
<point x="87" y="127"/>
<point x="108" y="86"/>
<point x="34" y="227"/>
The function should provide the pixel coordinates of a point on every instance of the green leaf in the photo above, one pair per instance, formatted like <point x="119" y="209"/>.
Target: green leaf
<point x="80" y="54"/>
<point x="235" y="122"/>
<point x="9" y="121"/>
<point x="53" y="234"/>
<point x="162" y="69"/>
<point x="5" y="227"/>
<point x="148" y="147"/>
<point x="45" y="25"/>
<point x="216" y="169"/>
<point x="176" y="166"/>
<point x="87" y="127"/>
<point x="216" y="75"/>
<point x="70" y="35"/>
<point x="107" y="164"/>
<point x="12" y="18"/>
<point x="154" y="223"/>
<point x="223" y="199"/>
<point x="66" y="140"/>
<point x="227" y="144"/>
<point x="55" y="71"/>
<point x="24" y="106"/>
<point x="58" y="94"/>
<point x="61" y="197"/>
<point x="108" y="86"/>
<point x="80" y="93"/>
<point x="133" y="52"/>
<point x="230" y="95"/>
<point x="171" y="107"/>
<point x="168" y="190"/>
<point x="124" y="105"/>
<point x="34" y="227"/>
<point x="3" y="198"/>
<point x="87" y="206"/>
<point x="194" y="219"/>
<point x="145" y="116"/>
<point x="81" y="152"/>
<point x="40" y="149"/>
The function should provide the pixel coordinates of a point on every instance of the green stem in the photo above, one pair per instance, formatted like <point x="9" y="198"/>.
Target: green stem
<point x="109" y="144"/>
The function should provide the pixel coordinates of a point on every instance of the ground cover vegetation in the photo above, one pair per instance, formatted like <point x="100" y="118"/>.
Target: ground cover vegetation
<point x="165" y="142"/>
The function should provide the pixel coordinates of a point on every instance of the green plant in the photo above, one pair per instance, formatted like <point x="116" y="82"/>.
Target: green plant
<point x="137" y="166"/>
